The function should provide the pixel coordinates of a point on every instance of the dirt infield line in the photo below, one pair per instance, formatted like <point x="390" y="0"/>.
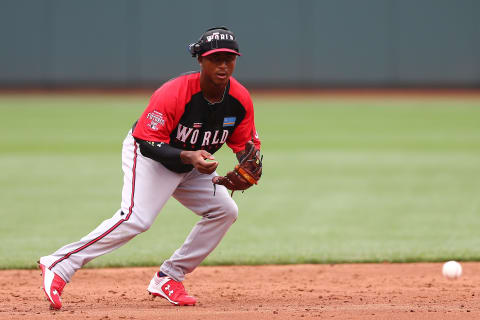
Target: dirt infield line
<point x="344" y="291"/>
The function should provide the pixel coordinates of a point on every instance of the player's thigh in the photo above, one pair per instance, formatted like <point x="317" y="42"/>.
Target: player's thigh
<point x="147" y="184"/>
<point x="197" y="193"/>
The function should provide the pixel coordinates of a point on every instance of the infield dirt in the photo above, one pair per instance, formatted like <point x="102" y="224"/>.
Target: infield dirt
<point x="343" y="291"/>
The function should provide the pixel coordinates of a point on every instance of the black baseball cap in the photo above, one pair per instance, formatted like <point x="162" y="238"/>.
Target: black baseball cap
<point x="217" y="39"/>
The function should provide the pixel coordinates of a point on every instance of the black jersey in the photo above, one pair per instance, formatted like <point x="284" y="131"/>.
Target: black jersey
<point x="179" y="115"/>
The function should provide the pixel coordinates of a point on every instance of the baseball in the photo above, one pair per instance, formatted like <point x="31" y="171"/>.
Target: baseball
<point x="452" y="270"/>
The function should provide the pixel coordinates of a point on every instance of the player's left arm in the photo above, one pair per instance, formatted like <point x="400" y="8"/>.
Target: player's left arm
<point x="244" y="132"/>
<point x="245" y="143"/>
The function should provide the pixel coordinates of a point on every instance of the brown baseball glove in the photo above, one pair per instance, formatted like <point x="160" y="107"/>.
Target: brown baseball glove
<point x="246" y="173"/>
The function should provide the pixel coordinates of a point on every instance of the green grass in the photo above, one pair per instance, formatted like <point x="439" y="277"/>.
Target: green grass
<point x="345" y="180"/>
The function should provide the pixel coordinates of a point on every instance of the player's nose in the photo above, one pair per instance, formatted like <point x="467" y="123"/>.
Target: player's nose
<point x="222" y="68"/>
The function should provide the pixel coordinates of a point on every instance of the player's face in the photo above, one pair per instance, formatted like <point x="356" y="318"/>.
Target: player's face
<point x="218" y="67"/>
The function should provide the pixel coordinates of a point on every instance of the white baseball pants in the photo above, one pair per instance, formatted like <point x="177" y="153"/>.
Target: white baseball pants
<point x="147" y="186"/>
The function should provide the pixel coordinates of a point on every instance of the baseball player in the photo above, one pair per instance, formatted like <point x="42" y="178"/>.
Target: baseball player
<point x="169" y="152"/>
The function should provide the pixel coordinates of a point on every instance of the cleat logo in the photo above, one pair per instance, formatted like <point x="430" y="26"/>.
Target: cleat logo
<point x="55" y="292"/>
<point x="170" y="292"/>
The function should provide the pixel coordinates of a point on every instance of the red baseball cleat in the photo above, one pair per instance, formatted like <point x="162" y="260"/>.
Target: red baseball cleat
<point x="52" y="286"/>
<point x="172" y="290"/>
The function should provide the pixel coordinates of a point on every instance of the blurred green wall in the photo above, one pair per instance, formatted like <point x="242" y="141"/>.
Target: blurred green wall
<point x="285" y="43"/>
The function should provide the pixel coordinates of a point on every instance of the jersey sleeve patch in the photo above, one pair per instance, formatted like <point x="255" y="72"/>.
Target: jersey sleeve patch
<point x="155" y="119"/>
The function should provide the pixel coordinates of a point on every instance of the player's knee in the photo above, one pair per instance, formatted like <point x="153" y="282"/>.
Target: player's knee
<point x="231" y="211"/>
<point x="135" y="227"/>
<point x="143" y="227"/>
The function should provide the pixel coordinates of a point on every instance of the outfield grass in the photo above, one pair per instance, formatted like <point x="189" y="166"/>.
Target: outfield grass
<point x="345" y="180"/>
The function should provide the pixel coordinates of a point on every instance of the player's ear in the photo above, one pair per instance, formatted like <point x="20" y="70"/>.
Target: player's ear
<point x="200" y="59"/>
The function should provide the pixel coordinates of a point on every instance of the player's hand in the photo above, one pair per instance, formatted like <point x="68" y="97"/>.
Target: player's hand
<point x="198" y="159"/>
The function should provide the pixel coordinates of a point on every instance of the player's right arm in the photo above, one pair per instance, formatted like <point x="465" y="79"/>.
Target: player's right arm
<point x="171" y="156"/>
